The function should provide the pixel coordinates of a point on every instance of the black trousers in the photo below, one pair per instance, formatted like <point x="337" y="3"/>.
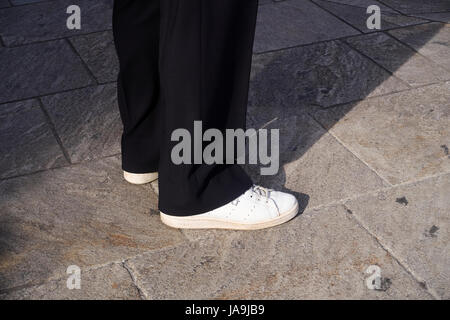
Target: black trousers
<point x="183" y="61"/>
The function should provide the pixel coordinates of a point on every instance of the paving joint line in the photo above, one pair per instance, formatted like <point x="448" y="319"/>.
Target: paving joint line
<point x="27" y="4"/>
<point x="54" y="131"/>
<point x="133" y="277"/>
<point x="375" y="62"/>
<point x="336" y="16"/>
<point x="278" y="50"/>
<point x="383" y="95"/>
<point x="349" y="150"/>
<point x="390" y="7"/>
<point x="329" y="204"/>
<point x="53" y="278"/>
<point x="89" y="71"/>
<point x="407" y="14"/>
<point x="333" y="203"/>
<point x="375" y="191"/>
<point x="118" y="154"/>
<point x="59" y="276"/>
<point x="20" y="45"/>
<point x="443" y="11"/>
<point x="58" y="92"/>
<point x="41" y="105"/>
<point x="426" y="20"/>
<point x="421" y="282"/>
<point x="417" y="52"/>
<point x="69" y="165"/>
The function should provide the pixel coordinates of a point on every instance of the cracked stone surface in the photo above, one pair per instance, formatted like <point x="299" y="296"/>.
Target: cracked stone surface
<point x="362" y="4"/>
<point x="98" y="51"/>
<point x="27" y="143"/>
<point x="87" y="121"/>
<point x="431" y="40"/>
<point x="18" y="24"/>
<point x="310" y="257"/>
<point x="418" y="6"/>
<point x="438" y="16"/>
<point x="402" y="136"/>
<point x="40" y="69"/>
<point x="357" y="16"/>
<point x="416" y="229"/>
<point x="81" y="215"/>
<point x="110" y="282"/>
<point x="21" y="2"/>
<point x="399" y="59"/>
<point x="364" y="145"/>
<point x="312" y="163"/>
<point x="323" y="74"/>
<point x="279" y="24"/>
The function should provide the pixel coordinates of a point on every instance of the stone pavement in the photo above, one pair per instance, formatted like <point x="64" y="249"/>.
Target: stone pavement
<point x="364" y="117"/>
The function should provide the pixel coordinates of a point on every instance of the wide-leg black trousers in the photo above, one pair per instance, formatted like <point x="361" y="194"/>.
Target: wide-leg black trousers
<point x="183" y="61"/>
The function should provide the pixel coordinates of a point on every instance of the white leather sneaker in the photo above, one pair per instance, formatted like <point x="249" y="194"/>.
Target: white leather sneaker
<point x="257" y="208"/>
<point x="140" y="178"/>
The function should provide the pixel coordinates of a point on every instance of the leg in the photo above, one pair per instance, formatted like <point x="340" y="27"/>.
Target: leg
<point x="206" y="50"/>
<point x="136" y="36"/>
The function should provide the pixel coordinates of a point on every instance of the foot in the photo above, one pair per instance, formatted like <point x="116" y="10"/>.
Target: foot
<point x="140" y="178"/>
<point x="257" y="208"/>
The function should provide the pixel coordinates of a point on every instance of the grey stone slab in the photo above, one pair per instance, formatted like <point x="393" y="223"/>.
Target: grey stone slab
<point x="321" y="254"/>
<point x="4" y="3"/>
<point x="401" y="60"/>
<point x="111" y="282"/>
<point x="438" y="17"/>
<point x="431" y="40"/>
<point x="84" y="215"/>
<point x="357" y="16"/>
<point x="47" y="20"/>
<point x="418" y="6"/>
<point x="21" y="2"/>
<point x="295" y="22"/>
<point x="413" y="221"/>
<point x="99" y="53"/>
<point x="39" y="69"/>
<point x="362" y="4"/>
<point x="322" y="74"/>
<point x="313" y="164"/>
<point x="27" y="143"/>
<point x="403" y="136"/>
<point x="87" y="121"/>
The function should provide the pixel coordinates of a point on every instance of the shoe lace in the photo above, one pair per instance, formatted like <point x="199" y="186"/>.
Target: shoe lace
<point x="261" y="192"/>
<point x="258" y="192"/>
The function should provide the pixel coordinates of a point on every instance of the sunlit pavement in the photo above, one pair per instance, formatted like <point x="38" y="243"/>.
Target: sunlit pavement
<point x="364" y="143"/>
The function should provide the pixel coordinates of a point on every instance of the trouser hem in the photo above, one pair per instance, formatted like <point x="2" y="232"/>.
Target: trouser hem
<point x="227" y="197"/>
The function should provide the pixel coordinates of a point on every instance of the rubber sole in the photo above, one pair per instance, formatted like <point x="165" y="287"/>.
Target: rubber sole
<point x="140" y="178"/>
<point x="194" y="222"/>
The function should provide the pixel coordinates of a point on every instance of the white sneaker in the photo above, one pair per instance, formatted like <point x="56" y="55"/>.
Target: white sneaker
<point x="257" y="208"/>
<point x="140" y="178"/>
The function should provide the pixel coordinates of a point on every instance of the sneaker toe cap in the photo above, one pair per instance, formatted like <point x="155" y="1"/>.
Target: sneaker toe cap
<point x="284" y="201"/>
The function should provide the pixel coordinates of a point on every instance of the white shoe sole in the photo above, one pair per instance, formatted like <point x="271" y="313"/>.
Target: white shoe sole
<point x="140" y="178"/>
<point x="193" y="222"/>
